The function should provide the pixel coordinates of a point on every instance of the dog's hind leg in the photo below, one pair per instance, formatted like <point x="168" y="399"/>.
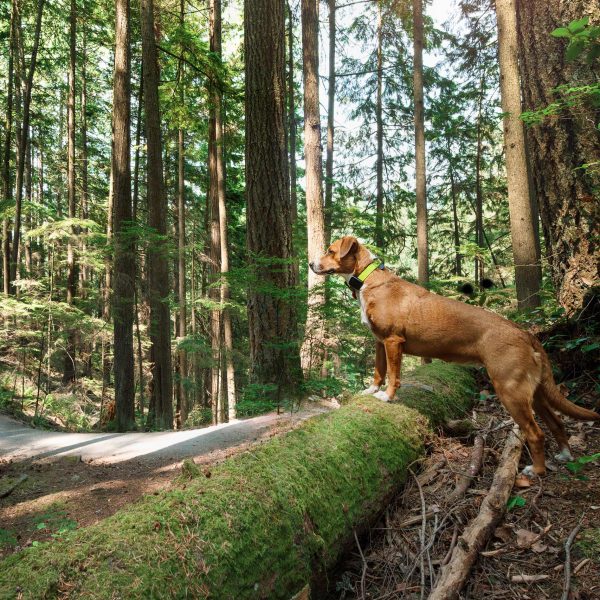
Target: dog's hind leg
<point x="555" y="425"/>
<point x="517" y="398"/>
<point x="380" y="369"/>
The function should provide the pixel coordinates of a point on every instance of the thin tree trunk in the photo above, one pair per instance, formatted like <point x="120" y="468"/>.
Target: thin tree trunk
<point x="124" y="258"/>
<point x="215" y="170"/>
<point x="135" y="219"/>
<point x="312" y="352"/>
<point x="456" y="225"/>
<point x="29" y="199"/>
<point x="228" y="379"/>
<point x="521" y="221"/>
<point x="379" y="241"/>
<point x="6" y="178"/>
<point x="478" y="189"/>
<point x="161" y="414"/>
<point x="330" y="124"/>
<point x="24" y="140"/>
<point x="182" y="359"/>
<point x="69" y="373"/>
<point x="421" y="191"/>
<point x="84" y="274"/>
<point x="271" y="316"/>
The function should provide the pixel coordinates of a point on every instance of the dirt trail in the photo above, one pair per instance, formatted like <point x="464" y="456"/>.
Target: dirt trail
<point x="19" y="442"/>
<point x="76" y="479"/>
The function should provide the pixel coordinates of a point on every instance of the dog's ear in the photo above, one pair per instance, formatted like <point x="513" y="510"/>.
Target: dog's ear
<point x="349" y="244"/>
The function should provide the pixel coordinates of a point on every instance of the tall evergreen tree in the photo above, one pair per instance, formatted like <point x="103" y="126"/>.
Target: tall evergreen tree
<point x="161" y="401"/>
<point x="521" y="217"/>
<point x="124" y="249"/>
<point x="271" y="312"/>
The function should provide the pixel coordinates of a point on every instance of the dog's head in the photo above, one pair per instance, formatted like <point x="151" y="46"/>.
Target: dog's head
<point x="340" y="257"/>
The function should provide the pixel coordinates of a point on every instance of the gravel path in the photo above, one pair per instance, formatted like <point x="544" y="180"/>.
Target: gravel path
<point x="20" y="442"/>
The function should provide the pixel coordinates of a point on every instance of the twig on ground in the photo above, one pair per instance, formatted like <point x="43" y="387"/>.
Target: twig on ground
<point x="364" y="567"/>
<point x="477" y="533"/>
<point x="462" y="485"/>
<point x="422" y="533"/>
<point x="528" y="578"/>
<point x="568" y="544"/>
<point x="446" y="559"/>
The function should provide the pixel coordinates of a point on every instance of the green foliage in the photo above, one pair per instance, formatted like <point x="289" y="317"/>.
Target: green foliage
<point x="199" y="417"/>
<point x="7" y="538"/>
<point x="576" y="466"/>
<point x="515" y="502"/>
<point x="582" y="37"/>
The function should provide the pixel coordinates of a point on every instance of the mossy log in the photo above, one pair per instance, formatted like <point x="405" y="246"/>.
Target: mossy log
<point x="264" y="522"/>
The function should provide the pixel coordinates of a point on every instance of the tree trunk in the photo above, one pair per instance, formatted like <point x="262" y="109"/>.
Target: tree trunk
<point x="455" y="222"/>
<point x="182" y="322"/>
<point x="228" y="378"/>
<point x="29" y="199"/>
<point x="6" y="178"/>
<point x="478" y="190"/>
<point x="379" y="241"/>
<point x="216" y="187"/>
<point x="292" y="116"/>
<point x="69" y="372"/>
<point x="560" y="146"/>
<point x="312" y="352"/>
<point x="521" y="222"/>
<point x="84" y="271"/>
<point x="124" y="259"/>
<point x="22" y="144"/>
<point x="330" y="124"/>
<point x="161" y="413"/>
<point x="421" y="192"/>
<point x="271" y="312"/>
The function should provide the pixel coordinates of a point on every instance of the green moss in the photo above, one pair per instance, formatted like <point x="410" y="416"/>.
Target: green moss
<point x="589" y="543"/>
<point x="264" y="519"/>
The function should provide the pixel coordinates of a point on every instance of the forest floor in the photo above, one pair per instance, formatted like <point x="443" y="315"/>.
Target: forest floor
<point x="74" y="480"/>
<point x="530" y="539"/>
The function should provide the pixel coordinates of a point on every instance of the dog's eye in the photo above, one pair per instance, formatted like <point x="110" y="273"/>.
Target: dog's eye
<point x="330" y="251"/>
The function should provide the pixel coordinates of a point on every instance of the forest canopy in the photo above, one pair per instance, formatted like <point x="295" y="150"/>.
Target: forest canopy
<point x="169" y="168"/>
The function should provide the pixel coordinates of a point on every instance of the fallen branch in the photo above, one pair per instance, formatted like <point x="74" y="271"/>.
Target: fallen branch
<point x="11" y="488"/>
<point x="528" y="578"/>
<point x="568" y="544"/>
<point x="478" y="532"/>
<point x="462" y="485"/>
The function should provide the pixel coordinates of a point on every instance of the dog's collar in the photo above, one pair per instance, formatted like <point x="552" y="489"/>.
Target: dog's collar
<point x="356" y="281"/>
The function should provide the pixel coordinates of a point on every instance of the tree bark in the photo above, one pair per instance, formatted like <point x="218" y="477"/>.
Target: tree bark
<point x="421" y="191"/>
<point x="330" y="124"/>
<point x="216" y="187"/>
<point x="478" y="189"/>
<point x="521" y="220"/>
<point x="161" y="405"/>
<point x="379" y="241"/>
<point x="6" y="178"/>
<point x="312" y="352"/>
<point x="566" y="193"/>
<point x="69" y="371"/>
<point x="228" y="377"/>
<point x="84" y="270"/>
<point x="455" y="222"/>
<point x="124" y="258"/>
<point x="271" y="311"/>
<point x="22" y="146"/>
<point x="292" y="116"/>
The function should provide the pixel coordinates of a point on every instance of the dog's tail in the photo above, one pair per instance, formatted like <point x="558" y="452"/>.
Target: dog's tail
<point x="553" y="395"/>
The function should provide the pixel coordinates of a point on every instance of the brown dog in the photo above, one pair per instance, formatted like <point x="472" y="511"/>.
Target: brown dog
<point x="405" y="317"/>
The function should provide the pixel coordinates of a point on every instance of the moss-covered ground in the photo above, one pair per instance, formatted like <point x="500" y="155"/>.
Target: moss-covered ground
<point x="259" y="524"/>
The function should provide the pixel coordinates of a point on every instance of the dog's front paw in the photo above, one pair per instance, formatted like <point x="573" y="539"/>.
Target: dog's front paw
<point x="370" y="390"/>
<point x="382" y="396"/>
<point x="564" y="456"/>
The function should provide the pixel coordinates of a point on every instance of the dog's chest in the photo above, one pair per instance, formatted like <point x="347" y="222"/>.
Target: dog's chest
<point x="363" y="310"/>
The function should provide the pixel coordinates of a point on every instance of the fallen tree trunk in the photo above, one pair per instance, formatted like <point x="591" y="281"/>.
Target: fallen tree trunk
<point x="478" y="532"/>
<point x="263" y="522"/>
